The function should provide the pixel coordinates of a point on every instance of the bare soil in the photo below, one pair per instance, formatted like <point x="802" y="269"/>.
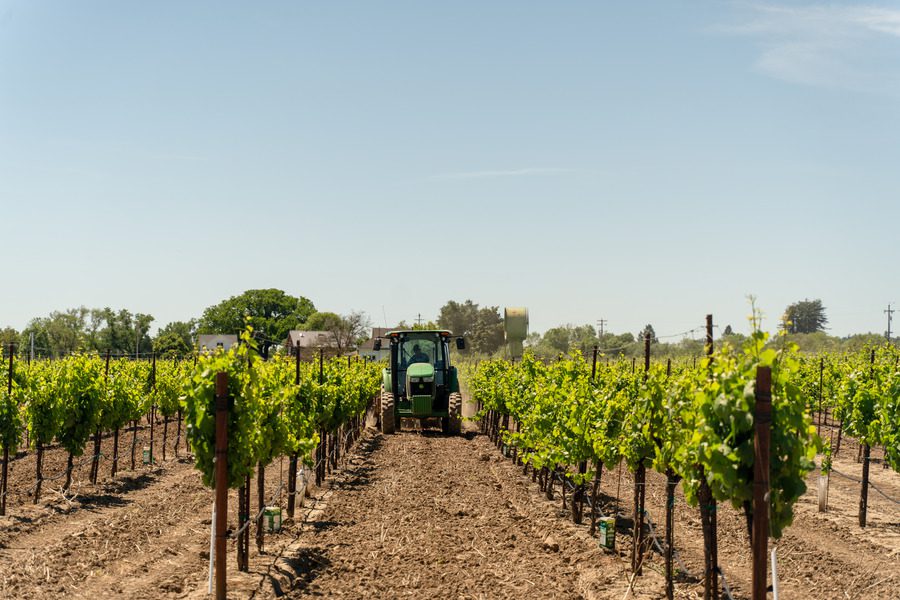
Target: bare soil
<point x="414" y="515"/>
<point x="450" y="517"/>
<point x="143" y="534"/>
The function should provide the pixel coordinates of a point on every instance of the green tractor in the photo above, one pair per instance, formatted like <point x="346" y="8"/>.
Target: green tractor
<point x="420" y="383"/>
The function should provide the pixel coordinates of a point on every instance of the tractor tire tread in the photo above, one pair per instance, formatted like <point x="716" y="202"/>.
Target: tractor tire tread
<point x="388" y="416"/>
<point x="454" y="420"/>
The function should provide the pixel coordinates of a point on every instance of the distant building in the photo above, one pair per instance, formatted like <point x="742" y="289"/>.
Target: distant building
<point x="367" y="348"/>
<point x="209" y="342"/>
<point x="308" y="343"/>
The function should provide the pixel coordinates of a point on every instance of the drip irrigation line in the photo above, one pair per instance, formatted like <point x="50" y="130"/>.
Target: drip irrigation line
<point x="677" y="557"/>
<point x="262" y="509"/>
<point x="556" y="475"/>
<point x="727" y="590"/>
<point x="311" y="468"/>
<point x="317" y="465"/>
<point x="871" y="485"/>
<point x="84" y="460"/>
<point x="656" y="541"/>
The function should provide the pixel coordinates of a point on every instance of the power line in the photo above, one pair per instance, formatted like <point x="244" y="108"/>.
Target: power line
<point x="890" y="315"/>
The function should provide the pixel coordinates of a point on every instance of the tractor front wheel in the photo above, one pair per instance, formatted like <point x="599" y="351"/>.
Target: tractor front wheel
<point x="388" y="418"/>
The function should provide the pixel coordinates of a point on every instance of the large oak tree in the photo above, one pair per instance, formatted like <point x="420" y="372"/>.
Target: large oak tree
<point x="806" y="316"/>
<point x="271" y="312"/>
<point x="483" y="327"/>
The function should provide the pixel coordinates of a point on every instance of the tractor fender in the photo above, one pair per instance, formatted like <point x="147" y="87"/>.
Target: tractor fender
<point x="454" y="380"/>
<point x="386" y="379"/>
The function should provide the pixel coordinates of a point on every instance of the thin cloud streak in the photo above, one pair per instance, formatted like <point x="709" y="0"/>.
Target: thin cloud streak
<point x="503" y="173"/>
<point x="842" y="47"/>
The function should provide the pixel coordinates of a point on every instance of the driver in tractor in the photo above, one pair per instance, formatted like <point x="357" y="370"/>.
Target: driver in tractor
<point x="418" y="356"/>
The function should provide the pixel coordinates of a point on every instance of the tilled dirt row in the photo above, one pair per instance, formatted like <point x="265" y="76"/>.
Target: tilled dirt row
<point x="822" y="555"/>
<point x="428" y="516"/>
<point x="414" y="515"/>
<point x="143" y="534"/>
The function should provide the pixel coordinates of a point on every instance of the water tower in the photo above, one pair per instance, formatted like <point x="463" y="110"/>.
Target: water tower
<point x="515" y="324"/>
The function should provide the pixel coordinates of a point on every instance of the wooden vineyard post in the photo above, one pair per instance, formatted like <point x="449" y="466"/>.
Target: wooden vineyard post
<point x="594" y="365"/>
<point x="39" y="466"/>
<point x="95" y="459"/>
<point x="69" y="466"/>
<point x="243" y="511"/>
<point x="598" y="473"/>
<point x="762" y="424"/>
<point x="165" y="435"/>
<point x="864" y="492"/>
<point x="260" y="504"/>
<point x="292" y="465"/>
<point x="708" y="511"/>
<point x="671" y="483"/>
<point x="863" y="495"/>
<point x="837" y="447"/>
<point x="134" y="426"/>
<point x="321" y="461"/>
<point x="245" y="535"/>
<point x="578" y="495"/>
<point x="115" y="456"/>
<point x="640" y="480"/>
<point x="98" y="434"/>
<point x="221" y="480"/>
<point x="637" y="546"/>
<point x="292" y="485"/>
<point x="178" y="434"/>
<point x="152" y="406"/>
<point x="821" y="381"/>
<point x="3" y="480"/>
<point x="178" y="428"/>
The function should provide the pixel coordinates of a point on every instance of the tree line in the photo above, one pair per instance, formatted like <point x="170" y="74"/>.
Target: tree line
<point x="271" y="312"/>
<point x="804" y="322"/>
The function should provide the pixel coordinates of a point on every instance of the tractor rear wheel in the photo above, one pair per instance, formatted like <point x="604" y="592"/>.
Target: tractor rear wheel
<point x="452" y="424"/>
<point x="388" y="418"/>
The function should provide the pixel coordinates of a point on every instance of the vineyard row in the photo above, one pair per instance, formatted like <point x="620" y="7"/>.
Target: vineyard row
<point x="570" y="420"/>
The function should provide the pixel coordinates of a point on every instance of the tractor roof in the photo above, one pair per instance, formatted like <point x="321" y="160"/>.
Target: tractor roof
<point x="397" y="332"/>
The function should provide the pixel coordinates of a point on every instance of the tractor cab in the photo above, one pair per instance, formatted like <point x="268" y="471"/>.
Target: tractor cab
<point x="420" y="382"/>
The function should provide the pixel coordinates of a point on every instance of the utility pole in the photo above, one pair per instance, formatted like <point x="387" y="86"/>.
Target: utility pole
<point x="419" y="319"/>
<point x="890" y="314"/>
<point x="600" y="324"/>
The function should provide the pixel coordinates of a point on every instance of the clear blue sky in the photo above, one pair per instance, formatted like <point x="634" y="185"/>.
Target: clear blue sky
<point x="641" y="162"/>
